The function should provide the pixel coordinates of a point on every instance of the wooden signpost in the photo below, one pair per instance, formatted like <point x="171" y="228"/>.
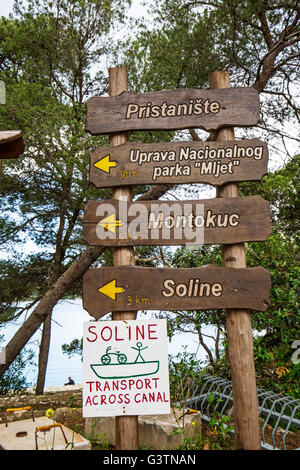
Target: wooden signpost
<point x="173" y="109"/>
<point x="207" y="287"/>
<point x="238" y="325"/>
<point x="228" y="219"/>
<point x="126" y="426"/>
<point x="207" y="221"/>
<point x="11" y="144"/>
<point x="212" y="163"/>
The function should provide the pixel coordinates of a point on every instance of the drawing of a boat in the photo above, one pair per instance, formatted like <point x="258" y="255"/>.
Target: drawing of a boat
<point x="126" y="370"/>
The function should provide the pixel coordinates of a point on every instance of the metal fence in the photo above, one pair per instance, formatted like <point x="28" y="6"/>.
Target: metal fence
<point x="213" y="397"/>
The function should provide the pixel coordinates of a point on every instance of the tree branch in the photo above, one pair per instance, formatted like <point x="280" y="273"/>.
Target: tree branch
<point x="57" y="291"/>
<point x="205" y="347"/>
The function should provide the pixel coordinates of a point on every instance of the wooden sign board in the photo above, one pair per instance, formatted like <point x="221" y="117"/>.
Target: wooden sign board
<point x="214" y="163"/>
<point x="173" y="109"/>
<point x="206" y="221"/>
<point x="125" y="368"/>
<point x="128" y="288"/>
<point x="11" y="144"/>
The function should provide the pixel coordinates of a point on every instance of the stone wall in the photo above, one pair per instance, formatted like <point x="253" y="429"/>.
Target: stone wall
<point x="69" y="396"/>
<point x="155" y="432"/>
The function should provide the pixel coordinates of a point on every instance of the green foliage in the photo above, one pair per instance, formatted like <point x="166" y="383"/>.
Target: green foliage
<point x="280" y="324"/>
<point x="286" y="383"/>
<point x="221" y="424"/>
<point x="192" y="443"/>
<point x="13" y="380"/>
<point x="75" y="347"/>
<point x="185" y="41"/>
<point x="278" y="327"/>
<point x="52" y="60"/>
<point x="281" y="188"/>
<point x="26" y="283"/>
<point x="71" y="402"/>
<point x="184" y="368"/>
<point x="169" y="50"/>
<point x="48" y="56"/>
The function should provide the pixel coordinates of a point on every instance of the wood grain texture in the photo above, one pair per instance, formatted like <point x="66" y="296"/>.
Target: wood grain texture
<point x="151" y="288"/>
<point x="205" y="221"/>
<point x="173" y="109"/>
<point x="212" y="163"/>
<point x="126" y="427"/>
<point x="238" y="323"/>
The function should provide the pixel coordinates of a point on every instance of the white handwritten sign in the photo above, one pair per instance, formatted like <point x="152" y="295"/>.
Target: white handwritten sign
<point x="125" y="368"/>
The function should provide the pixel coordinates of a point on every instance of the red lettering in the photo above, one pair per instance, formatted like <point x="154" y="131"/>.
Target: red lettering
<point x="138" y="331"/>
<point x="103" y="400"/>
<point x="150" y="332"/>
<point x="88" y="401"/>
<point x="135" y="398"/>
<point x="147" y="383"/>
<point x="139" y="384"/>
<point x="110" y="333"/>
<point x="89" y="330"/>
<point x="123" y="385"/>
<point x="106" y="387"/>
<point x="115" y="385"/>
<point x="120" y="398"/>
<point x="155" y="380"/>
<point x="94" y="400"/>
<point x="112" y="399"/>
<point x="126" y="399"/>
<point x="130" y="383"/>
<point x="98" y="387"/>
<point x="116" y="335"/>
<point x="90" y="385"/>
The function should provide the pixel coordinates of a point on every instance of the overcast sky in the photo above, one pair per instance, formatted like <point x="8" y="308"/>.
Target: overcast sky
<point x="6" y="7"/>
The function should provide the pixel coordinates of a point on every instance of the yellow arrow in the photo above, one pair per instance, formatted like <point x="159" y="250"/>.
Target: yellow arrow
<point x="110" y="223"/>
<point x="105" y="164"/>
<point x="110" y="290"/>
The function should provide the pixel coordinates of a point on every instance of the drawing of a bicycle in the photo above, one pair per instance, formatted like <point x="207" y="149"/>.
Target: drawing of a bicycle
<point x="106" y="358"/>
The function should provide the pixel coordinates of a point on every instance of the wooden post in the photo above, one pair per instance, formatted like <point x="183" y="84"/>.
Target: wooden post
<point x="238" y="324"/>
<point x="126" y="426"/>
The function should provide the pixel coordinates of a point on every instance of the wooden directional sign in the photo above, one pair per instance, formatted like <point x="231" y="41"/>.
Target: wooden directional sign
<point x="206" y="221"/>
<point x="128" y="288"/>
<point x="11" y="144"/>
<point x="173" y="109"/>
<point x="212" y="163"/>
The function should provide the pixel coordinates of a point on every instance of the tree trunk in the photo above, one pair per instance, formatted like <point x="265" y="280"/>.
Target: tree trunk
<point x="238" y="324"/>
<point x="57" y="291"/>
<point x="43" y="355"/>
<point x="217" y="344"/>
<point x="47" y="302"/>
<point x="204" y="346"/>
<point x="58" y="257"/>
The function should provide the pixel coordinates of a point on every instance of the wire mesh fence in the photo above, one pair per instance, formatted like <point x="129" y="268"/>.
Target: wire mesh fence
<point x="279" y="414"/>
